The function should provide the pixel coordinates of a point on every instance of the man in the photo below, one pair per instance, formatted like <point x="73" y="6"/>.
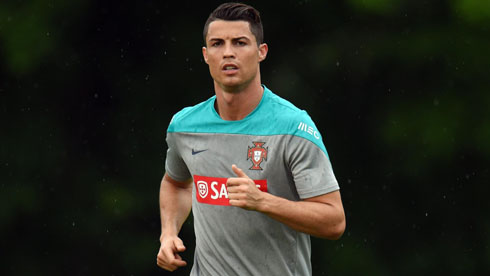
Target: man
<point x="252" y="166"/>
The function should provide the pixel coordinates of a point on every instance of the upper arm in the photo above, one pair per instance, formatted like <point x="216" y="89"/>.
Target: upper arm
<point x="332" y="212"/>
<point x="332" y="199"/>
<point x="179" y="184"/>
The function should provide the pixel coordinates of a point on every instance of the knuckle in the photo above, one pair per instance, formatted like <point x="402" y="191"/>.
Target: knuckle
<point x="243" y="189"/>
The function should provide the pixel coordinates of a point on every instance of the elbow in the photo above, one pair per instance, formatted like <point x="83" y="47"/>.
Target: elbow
<point x="337" y="231"/>
<point x="334" y="231"/>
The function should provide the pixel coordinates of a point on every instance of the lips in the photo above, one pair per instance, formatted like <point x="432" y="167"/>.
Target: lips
<point x="229" y="67"/>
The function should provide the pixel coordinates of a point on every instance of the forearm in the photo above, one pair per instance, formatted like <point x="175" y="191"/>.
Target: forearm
<point x="175" y="206"/>
<point x="320" y="219"/>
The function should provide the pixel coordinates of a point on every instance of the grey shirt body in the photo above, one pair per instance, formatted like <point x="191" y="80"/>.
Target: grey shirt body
<point x="279" y="147"/>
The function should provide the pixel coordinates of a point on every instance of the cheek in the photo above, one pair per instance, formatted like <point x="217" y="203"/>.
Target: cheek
<point x="212" y="63"/>
<point x="252" y="61"/>
<point x="215" y="62"/>
<point x="214" y="68"/>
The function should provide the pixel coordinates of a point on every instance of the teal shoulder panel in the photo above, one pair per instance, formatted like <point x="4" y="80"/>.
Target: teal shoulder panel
<point x="192" y="117"/>
<point x="273" y="116"/>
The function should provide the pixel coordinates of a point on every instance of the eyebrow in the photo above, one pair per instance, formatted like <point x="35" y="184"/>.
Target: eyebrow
<point x="234" y="39"/>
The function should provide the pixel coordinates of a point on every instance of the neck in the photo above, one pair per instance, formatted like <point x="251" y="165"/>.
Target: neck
<point x="236" y="104"/>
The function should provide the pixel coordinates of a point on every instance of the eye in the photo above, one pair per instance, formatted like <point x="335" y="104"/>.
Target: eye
<point x="216" y="43"/>
<point x="241" y="43"/>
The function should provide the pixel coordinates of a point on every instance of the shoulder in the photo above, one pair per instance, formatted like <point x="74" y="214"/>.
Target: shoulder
<point x="288" y="116"/>
<point x="282" y="109"/>
<point x="191" y="115"/>
<point x="289" y="119"/>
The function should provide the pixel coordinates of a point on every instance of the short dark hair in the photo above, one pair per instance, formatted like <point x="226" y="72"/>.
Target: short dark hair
<point x="235" y="12"/>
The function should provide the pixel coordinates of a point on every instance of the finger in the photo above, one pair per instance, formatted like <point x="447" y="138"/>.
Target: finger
<point x="233" y="196"/>
<point x="178" y="261"/>
<point x="167" y="255"/>
<point x="167" y="266"/>
<point x="232" y="187"/>
<point x="160" y="256"/>
<point x="237" y="203"/>
<point x="163" y="264"/>
<point x="234" y="181"/>
<point x="239" y="172"/>
<point x="171" y="261"/>
<point x="179" y="245"/>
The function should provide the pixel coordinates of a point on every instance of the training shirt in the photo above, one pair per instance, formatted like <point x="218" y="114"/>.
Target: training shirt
<point x="279" y="147"/>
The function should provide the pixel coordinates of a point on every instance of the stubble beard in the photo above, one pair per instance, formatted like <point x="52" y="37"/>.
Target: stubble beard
<point x="237" y="88"/>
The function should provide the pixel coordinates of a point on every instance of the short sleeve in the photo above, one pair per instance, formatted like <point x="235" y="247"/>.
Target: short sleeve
<point x="311" y="168"/>
<point x="175" y="166"/>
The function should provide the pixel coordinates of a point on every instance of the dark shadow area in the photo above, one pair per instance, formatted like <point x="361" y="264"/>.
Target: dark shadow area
<point x="399" y="90"/>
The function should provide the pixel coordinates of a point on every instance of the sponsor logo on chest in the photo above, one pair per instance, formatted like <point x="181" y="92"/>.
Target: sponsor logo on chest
<point x="212" y="190"/>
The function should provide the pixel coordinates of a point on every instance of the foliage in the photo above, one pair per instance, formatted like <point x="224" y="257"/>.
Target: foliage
<point x="399" y="90"/>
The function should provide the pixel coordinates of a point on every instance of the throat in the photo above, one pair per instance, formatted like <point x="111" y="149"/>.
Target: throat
<point x="237" y="106"/>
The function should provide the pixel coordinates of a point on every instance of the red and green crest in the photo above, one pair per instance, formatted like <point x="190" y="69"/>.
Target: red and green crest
<point x="257" y="154"/>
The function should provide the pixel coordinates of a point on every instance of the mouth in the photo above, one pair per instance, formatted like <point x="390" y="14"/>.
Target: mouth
<point x="229" y="68"/>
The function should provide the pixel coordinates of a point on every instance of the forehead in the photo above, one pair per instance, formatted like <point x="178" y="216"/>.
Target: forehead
<point x="229" y="29"/>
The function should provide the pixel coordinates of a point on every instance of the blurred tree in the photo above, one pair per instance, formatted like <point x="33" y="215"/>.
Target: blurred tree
<point x="399" y="90"/>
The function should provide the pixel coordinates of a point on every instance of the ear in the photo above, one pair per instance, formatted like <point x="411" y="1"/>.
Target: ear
<point x="263" y="49"/>
<point x="205" y="54"/>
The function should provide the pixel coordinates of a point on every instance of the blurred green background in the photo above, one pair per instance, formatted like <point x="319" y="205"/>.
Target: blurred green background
<point x="399" y="89"/>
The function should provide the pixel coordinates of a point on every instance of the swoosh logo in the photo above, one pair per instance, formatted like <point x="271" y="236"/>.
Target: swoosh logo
<point x="194" y="152"/>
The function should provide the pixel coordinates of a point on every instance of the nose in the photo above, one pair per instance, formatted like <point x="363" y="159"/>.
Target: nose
<point x="228" y="51"/>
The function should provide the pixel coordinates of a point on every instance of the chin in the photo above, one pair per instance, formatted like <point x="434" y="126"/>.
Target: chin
<point x="231" y="88"/>
<point x="231" y="84"/>
<point x="234" y="85"/>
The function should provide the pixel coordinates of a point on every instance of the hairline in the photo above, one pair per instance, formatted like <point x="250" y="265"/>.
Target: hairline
<point x="233" y="20"/>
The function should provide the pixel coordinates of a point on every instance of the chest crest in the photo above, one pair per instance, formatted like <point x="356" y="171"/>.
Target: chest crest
<point x="257" y="154"/>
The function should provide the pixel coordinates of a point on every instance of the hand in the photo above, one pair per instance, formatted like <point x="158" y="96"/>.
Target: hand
<point x="167" y="257"/>
<point x="242" y="191"/>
